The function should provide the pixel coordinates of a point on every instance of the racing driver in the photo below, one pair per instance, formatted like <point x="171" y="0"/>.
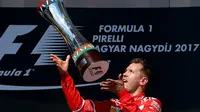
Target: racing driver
<point x="130" y="88"/>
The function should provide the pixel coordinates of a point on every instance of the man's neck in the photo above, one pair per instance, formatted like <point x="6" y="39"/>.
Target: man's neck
<point x="136" y="92"/>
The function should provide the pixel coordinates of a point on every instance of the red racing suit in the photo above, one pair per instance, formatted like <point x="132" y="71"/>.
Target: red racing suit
<point x="125" y="103"/>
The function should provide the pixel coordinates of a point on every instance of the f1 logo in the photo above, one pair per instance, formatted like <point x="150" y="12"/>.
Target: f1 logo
<point x="10" y="35"/>
<point x="50" y="42"/>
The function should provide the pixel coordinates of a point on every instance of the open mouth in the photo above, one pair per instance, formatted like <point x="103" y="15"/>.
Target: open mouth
<point x="124" y="80"/>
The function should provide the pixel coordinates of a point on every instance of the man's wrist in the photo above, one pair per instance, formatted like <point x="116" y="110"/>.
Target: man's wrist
<point x="119" y="88"/>
<point x="64" y="74"/>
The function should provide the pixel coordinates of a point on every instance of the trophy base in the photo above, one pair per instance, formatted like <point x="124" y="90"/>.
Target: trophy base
<point x="92" y="66"/>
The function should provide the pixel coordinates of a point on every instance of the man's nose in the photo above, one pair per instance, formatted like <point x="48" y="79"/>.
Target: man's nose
<point x="124" y="74"/>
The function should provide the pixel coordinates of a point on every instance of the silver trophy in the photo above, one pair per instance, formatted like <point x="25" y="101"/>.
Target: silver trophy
<point x="86" y="57"/>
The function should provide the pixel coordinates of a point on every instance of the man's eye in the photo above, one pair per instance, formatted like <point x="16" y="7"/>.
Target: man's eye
<point x="131" y="71"/>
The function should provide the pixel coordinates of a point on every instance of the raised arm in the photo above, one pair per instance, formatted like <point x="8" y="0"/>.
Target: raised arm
<point x="75" y="101"/>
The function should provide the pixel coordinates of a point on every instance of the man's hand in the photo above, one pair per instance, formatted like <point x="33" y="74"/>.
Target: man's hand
<point x="112" y="85"/>
<point x="62" y="65"/>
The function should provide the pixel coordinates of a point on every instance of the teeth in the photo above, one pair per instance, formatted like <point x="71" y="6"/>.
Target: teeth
<point x="124" y="80"/>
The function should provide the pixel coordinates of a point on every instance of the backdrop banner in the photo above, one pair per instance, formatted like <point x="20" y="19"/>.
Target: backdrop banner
<point x="167" y="38"/>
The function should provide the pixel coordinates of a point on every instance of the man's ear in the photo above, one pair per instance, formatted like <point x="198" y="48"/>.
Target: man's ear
<point x="143" y="81"/>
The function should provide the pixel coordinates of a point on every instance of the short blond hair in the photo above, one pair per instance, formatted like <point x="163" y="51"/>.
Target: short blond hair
<point x="146" y="69"/>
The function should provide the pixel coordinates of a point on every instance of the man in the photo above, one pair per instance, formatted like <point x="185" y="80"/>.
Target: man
<point x="130" y="89"/>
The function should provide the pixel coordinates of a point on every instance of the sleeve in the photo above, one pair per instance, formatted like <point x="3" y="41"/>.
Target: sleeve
<point x="76" y="102"/>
